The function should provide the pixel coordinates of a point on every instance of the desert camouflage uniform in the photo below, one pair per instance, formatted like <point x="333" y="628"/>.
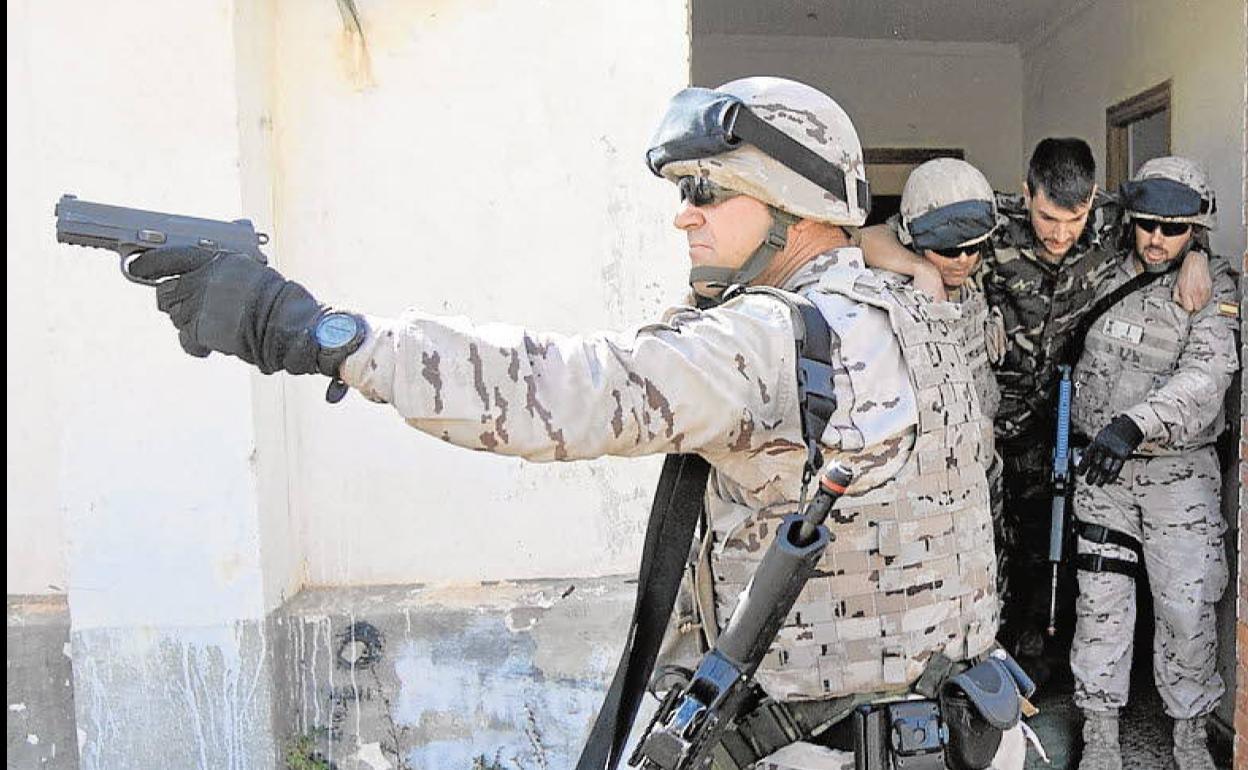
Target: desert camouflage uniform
<point x="1168" y="371"/>
<point x="1041" y="304"/>
<point x="911" y="572"/>
<point x="975" y="326"/>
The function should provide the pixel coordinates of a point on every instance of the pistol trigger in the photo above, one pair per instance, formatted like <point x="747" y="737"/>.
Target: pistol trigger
<point x="125" y="264"/>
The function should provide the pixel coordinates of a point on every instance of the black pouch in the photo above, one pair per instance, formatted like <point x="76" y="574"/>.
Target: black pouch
<point x="979" y="705"/>
<point x="906" y="735"/>
<point x="972" y="741"/>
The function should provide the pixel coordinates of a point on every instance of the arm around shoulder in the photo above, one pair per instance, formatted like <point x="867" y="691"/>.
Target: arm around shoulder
<point x="882" y="250"/>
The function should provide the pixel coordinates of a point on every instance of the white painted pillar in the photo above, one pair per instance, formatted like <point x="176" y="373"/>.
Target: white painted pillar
<point x="153" y="457"/>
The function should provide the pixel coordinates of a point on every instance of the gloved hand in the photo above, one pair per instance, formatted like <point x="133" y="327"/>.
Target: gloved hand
<point x="232" y="304"/>
<point x="1103" y="459"/>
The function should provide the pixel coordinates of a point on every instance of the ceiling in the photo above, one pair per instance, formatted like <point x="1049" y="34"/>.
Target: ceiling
<point x="995" y="21"/>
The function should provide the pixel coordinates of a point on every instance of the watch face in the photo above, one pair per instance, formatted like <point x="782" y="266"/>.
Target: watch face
<point x="336" y="330"/>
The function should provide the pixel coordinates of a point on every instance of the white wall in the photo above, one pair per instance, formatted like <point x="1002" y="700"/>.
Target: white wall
<point x="899" y="94"/>
<point x="476" y="159"/>
<point x="492" y="165"/>
<point x="1110" y="50"/>
<point x="129" y="475"/>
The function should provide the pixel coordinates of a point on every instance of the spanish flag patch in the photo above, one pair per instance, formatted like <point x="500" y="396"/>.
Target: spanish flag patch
<point x="1228" y="309"/>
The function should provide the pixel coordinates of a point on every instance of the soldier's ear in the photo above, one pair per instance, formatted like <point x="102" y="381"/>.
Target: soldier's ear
<point x="1026" y="193"/>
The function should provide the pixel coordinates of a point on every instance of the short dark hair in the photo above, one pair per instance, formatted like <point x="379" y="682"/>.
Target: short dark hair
<point x="1064" y="169"/>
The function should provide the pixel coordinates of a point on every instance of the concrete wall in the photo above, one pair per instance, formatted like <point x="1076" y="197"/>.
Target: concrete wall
<point x="486" y="159"/>
<point x="39" y="685"/>
<point x="467" y="158"/>
<point x="1105" y="51"/>
<point x="898" y="93"/>
<point x="473" y="676"/>
<point x="141" y="497"/>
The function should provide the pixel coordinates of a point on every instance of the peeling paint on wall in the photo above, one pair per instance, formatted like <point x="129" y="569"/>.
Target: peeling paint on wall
<point x="353" y="48"/>
<point x="491" y="676"/>
<point x="209" y="685"/>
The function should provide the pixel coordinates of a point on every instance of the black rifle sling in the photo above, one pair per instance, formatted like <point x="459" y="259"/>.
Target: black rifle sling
<point x="676" y="509"/>
<point x="1109" y="300"/>
<point x="674" y="514"/>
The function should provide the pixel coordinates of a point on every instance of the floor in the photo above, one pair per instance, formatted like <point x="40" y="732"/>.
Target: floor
<point x="1144" y="728"/>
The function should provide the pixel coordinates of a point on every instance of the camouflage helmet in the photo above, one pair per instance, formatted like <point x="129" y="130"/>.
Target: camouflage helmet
<point x="946" y="203"/>
<point x="1171" y="189"/>
<point x="815" y="126"/>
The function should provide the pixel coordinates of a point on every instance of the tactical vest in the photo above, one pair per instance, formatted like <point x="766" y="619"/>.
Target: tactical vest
<point x="974" y="315"/>
<point x="911" y="570"/>
<point x="1129" y="351"/>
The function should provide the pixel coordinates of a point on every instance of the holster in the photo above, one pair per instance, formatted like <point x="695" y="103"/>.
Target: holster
<point x="961" y="729"/>
<point x="903" y="735"/>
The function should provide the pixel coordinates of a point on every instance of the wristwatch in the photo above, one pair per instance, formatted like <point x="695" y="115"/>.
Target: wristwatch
<point x="338" y="334"/>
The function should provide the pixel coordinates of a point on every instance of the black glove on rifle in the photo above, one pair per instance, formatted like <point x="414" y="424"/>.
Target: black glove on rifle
<point x="1103" y="459"/>
<point x="232" y="304"/>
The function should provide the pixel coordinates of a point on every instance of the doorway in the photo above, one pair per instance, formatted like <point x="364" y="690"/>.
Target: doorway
<point x="888" y="168"/>
<point x="1136" y="130"/>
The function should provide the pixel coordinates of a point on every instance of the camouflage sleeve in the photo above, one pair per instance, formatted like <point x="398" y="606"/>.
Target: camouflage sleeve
<point x="1105" y="221"/>
<point x="987" y="278"/>
<point x="681" y="386"/>
<point x="1009" y="205"/>
<point x="1191" y="398"/>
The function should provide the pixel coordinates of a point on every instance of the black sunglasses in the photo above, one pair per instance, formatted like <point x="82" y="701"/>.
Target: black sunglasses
<point x="1168" y="229"/>
<point x="701" y="191"/>
<point x="953" y="252"/>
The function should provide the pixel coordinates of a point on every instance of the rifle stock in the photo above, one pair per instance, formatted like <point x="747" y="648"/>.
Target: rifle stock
<point x="693" y="717"/>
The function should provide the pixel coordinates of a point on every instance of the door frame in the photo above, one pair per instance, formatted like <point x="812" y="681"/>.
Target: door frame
<point x="1118" y="120"/>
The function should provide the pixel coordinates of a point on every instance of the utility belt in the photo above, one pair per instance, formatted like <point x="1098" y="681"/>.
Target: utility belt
<point x="953" y="717"/>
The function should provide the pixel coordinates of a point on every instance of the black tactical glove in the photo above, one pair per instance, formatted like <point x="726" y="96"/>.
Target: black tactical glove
<point x="232" y="304"/>
<point x="1103" y="459"/>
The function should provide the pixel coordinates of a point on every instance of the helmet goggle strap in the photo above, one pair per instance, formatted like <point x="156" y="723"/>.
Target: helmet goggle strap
<point x="951" y="225"/>
<point x="723" y="277"/>
<point x="1165" y="198"/>
<point x="702" y="123"/>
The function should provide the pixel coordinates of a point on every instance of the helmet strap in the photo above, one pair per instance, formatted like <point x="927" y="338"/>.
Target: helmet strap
<point x="776" y="239"/>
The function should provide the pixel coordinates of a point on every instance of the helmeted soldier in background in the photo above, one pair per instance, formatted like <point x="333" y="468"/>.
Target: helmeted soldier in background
<point x="1149" y="390"/>
<point x="1051" y="252"/>
<point x="911" y="571"/>
<point x="948" y="213"/>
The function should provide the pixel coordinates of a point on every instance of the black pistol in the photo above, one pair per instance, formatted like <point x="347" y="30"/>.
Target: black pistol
<point x="130" y="232"/>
